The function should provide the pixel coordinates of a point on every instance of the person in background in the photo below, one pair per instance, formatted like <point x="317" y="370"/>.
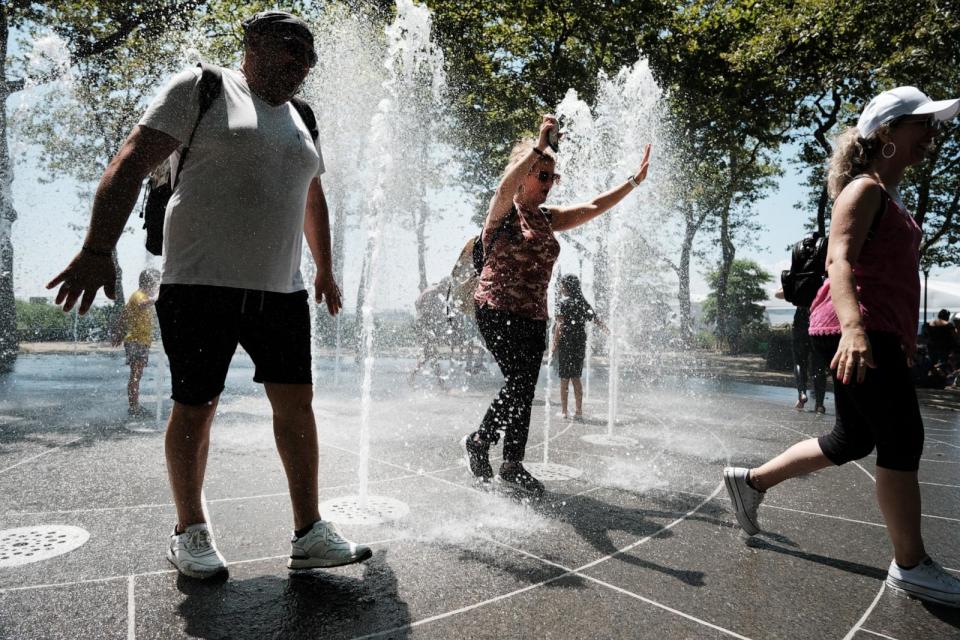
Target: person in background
<point x="864" y="321"/>
<point x="136" y="333"/>
<point x="941" y="336"/>
<point x="570" y="341"/>
<point x="806" y="360"/>
<point x="431" y="326"/>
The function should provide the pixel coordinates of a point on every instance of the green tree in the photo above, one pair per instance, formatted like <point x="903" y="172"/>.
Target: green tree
<point x="744" y="294"/>
<point x="91" y="31"/>
<point x="836" y="56"/>
<point x="734" y="117"/>
<point x="509" y="62"/>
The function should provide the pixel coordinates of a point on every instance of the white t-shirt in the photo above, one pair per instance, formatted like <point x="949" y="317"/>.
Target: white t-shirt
<point x="236" y="217"/>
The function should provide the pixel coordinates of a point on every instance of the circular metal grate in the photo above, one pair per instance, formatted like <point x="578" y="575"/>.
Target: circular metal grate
<point x="32" y="544"/>
<point x="550" y="472"/>
<point x="609" y="440"/>
<point x="349" y="510"/>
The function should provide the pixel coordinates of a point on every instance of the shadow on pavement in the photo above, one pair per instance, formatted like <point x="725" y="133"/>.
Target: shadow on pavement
<point x="307" y="604"/>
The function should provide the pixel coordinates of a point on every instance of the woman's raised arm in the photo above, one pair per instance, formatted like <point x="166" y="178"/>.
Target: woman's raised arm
<point x="503" y="198"/>
<point x="570" y="216"/>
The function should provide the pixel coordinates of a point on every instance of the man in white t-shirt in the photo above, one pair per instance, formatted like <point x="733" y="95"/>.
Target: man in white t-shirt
<point x="246" y="194"/>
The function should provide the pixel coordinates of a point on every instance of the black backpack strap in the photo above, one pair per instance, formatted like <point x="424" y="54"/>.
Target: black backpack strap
<point x="210" y="85"/>
<point x="499" y="230"/>
<point x="306" y="114"/>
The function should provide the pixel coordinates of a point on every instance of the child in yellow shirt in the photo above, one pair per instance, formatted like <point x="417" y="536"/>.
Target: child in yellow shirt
<point x="137" y="327"/>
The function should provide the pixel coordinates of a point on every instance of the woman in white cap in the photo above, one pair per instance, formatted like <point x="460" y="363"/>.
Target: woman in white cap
<point x="864" y="322"/>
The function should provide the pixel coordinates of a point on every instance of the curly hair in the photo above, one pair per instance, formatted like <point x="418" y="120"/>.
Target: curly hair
<point x="852" y="155"/>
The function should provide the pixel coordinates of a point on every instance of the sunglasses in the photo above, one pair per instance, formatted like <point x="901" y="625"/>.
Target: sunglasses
<point x="296" y="48"/>
<point x="546" y="176"/>
<point x="930" y="122"/>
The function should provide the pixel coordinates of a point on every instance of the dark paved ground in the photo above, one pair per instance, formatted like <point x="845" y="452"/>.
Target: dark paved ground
<point x="642" y="545"/>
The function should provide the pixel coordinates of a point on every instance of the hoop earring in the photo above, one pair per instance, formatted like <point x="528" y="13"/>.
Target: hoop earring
<point x="883" y="150"/>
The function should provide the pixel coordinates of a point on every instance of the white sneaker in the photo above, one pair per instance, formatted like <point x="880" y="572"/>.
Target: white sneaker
<point x="323" y="546"/>
<point x="746" y="500"/>
<point x="927" y="581"/>
<point x="194" y="554"/>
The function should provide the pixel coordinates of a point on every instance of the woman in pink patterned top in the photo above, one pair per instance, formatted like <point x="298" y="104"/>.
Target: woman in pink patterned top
<point x="511" y="297"/>
<point x="864" y="321"/>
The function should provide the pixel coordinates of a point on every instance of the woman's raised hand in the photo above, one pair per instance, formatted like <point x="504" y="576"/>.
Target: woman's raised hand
<point x="644" y="165"/>
<point x="549" y="122"/>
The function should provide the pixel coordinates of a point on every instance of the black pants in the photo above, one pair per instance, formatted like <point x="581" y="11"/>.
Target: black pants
<point x="517" y="344"/>
<point x="806" y="359"/>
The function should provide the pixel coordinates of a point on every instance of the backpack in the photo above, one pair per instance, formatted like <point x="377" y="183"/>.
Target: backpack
<point x="808" y="263"/>
<point x="808" y="266"/>
<point x="163" y="182"/>
<point x="466" y="271"/>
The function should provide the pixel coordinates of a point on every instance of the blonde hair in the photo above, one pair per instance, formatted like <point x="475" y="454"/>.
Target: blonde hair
<point x="520" y="151"/>
<point x="852" y="155"/>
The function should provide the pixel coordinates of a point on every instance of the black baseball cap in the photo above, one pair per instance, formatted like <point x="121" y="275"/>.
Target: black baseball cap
<point x="281" y="22"/>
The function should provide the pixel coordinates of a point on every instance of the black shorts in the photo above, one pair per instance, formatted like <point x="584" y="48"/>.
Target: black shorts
<point x="881" y="412"/>
<point x="201" y="326"/>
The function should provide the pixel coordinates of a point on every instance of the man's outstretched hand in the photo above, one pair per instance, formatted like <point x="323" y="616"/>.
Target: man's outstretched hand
<point x="85" y="274"/>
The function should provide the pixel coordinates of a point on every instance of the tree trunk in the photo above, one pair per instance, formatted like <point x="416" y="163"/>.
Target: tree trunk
<point x="683" y="290"/>
<point x="728" y="252"/>
<point x="601" y="283"/>
<point x="421" y="231"/>
<point x="325" y="325"/>
<point x="9" y="345"/>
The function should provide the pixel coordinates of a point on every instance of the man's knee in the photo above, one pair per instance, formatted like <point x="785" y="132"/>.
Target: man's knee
<point x="290" y="400"/>
<point x="193" y="417"/>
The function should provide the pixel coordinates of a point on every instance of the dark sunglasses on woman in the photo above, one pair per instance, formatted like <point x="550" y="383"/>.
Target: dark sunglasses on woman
<point x="929" y="121"/>
<point x="546" y="176"/>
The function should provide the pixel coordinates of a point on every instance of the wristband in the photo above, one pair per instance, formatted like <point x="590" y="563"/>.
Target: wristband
<point x="633" y="181"/>
<point x="537" y="151"/>
<point x="97" y="252"/>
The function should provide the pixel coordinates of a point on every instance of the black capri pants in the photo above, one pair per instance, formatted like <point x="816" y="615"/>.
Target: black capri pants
<point x="881" y="412"/>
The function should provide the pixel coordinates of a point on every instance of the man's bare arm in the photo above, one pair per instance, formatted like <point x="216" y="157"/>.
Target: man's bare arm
<point x="116" y="195"/>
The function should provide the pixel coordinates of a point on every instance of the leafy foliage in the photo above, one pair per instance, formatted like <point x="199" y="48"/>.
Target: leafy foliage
<point x="744" y="293"/>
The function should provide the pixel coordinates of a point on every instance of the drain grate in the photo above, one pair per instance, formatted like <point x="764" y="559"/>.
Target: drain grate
<point x="550" y="472"/>
<point x="33" y="544"/>
<point x="609" y="440"/>
<point x="349" y="510"/>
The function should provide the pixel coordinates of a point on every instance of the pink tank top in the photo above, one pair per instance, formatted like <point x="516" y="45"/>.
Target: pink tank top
<point x="519" y="264"/>
<point x="887" y="279"/>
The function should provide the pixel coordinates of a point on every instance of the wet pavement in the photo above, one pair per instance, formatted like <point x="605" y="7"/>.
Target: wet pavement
<point x="642" y="544"/>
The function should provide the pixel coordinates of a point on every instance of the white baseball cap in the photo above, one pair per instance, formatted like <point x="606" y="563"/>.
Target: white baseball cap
<point x="903" y="101"/>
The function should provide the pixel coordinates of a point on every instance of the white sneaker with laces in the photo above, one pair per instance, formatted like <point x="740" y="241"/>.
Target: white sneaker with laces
<point x="194" y="554"/>
<point x="926" y="581"/>
<point x="746" y="500"/>
<point x="323" y="546"/>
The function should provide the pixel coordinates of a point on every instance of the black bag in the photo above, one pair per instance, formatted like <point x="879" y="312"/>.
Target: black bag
<point x="479" y="259"/>
<point x="808" y="266"/>
<point x="161" y="184"/>
<point x="808" y="263"/>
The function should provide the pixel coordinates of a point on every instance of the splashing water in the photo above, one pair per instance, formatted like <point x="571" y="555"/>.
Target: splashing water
<point x="602" y="146"/>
